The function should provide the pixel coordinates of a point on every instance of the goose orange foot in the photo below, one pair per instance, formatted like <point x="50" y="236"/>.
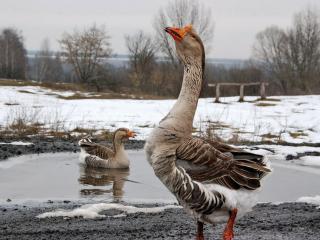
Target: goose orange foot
<point x="228" y="235"/>
<point x="228" y="232"/>
<point x="200" y="231"/>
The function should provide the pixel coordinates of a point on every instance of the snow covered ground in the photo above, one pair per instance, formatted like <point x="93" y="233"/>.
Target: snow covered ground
<point x="312" y="200"/>
<point x="294" y="119"/>
<point x="92" y="210"/>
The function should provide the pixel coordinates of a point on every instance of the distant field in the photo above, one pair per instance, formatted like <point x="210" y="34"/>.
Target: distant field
<point x="80" y="91"/>
<point x="292" y="119"/>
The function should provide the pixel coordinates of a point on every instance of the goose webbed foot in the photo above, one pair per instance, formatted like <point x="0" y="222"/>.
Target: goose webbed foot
<point x="228" y="231"/>
<point x="200" y="231"/>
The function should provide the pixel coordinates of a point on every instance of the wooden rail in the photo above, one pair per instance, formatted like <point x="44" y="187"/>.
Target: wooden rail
<point x="241" y="85"/>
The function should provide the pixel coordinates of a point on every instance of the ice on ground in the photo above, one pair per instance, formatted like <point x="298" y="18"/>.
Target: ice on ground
<point x="310" y="161"/>
<point x="17" y="143"/>
<point x="280" y="152"/>
<point x="312" y="200"/>
<point x="92" y="211"/>
<point x="293" y="118"/>
<point x="9" y="163"/>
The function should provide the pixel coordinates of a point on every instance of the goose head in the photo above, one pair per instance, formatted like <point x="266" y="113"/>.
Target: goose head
<point x="123" y="134"/>
<point x="189" y="45"/>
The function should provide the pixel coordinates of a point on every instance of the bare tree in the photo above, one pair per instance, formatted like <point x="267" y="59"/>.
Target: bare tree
<point x="292" y="57"/>
<point x="142" y="52"/>
<point x="42" y="61"/>
<point x="56" y="73"/>
<point x="270" y="50"/>
<point x="47" y="65"/>
<point x="180" y="13"/>
<point x="304" y="49"/>
<point x="13" y="59"/>
<point x="85" y="50"/>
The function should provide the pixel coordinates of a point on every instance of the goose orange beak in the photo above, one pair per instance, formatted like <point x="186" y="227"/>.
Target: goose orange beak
<point x="178" y="33"/>
<point x="131" y="134"/>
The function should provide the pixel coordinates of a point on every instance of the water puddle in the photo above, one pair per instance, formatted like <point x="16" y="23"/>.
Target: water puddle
<point x="59" y="176"/>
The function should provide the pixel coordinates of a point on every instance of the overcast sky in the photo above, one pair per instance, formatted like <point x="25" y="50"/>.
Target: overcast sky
<point x="236" y="21"/>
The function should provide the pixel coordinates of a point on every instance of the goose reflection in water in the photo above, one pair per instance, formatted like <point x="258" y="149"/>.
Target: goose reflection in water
<point x="101" y="178"/>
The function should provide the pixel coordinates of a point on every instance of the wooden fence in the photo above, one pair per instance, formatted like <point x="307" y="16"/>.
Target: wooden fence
<point x="241" y="87"/>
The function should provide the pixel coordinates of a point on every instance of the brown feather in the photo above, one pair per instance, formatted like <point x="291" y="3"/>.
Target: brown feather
<point x="220" y="168"/>
<point x="97" y="150"/>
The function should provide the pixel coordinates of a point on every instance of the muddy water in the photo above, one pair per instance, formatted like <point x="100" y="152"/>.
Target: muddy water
<point x="60" y="177"/>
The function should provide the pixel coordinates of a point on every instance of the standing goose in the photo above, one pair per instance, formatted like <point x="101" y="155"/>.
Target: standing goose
<point x="214" y="182"/>
<point x="95" y="155"/>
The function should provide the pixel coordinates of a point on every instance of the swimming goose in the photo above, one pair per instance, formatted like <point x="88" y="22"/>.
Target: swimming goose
<point x="95" y="155"/>
<point x="214" y="182"/>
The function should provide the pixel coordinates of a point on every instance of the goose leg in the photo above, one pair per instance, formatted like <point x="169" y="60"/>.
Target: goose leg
<point x="228" y="231"/>
<point x="200" y="231"/>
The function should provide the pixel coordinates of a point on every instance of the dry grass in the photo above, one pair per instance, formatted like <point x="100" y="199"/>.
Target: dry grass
<point x="263" y="104"/>
<point x="13" y="82"/>
<point x="144" y="126"/>
<point x="23" y="122"/>
<point x="104" y="135"/>
<point x="298" y="134"/>
<point x="269" y="99"/>
<point x="52" y="86"/>
<point x="80" y="89"/>
<point x="64" y="86"/>
<point x="213" y="125"/>
<point x="21" y="128"/>
<point x="83" y="130"/>
<point x="79" y="96"/>
<point x="269" y="135"/>
<point x="25" y="91"/>
<point x="11" y="104"/>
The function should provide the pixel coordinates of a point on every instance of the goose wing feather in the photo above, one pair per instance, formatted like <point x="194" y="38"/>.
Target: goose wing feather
<point x="211" y="162"/>
<point x="95" y="149"/>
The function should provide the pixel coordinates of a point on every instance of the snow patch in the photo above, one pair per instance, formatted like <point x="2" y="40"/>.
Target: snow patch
<point x="17" y="143"/>
<point x="310" y="161"/>
<point x="92" y="211"/>
<point x="11" y="162"/>
<point x="280" y="152"/>
<point x="312" y="200"/>
<point x="293" y="118"/>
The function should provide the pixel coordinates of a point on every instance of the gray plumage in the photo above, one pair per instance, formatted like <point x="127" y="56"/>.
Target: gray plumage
<point x="98" y="156"/>
<point x="204" y="175"/>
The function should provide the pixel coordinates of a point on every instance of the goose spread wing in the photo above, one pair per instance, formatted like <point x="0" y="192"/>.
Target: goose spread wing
<point x="96" y="149"/>
<point x="213" y="162"/>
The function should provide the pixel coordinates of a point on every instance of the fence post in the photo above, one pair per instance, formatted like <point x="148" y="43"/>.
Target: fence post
<point x="241" y="98"/>
<point x="262" y="91"/>
<point x="217" y="93"/>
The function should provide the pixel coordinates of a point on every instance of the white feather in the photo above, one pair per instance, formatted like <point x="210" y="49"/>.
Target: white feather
<point x="243" y="200"/>
<point x="82" y="156"/>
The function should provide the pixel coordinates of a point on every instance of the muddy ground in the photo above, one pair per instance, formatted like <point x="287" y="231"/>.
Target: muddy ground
<point x="286" y="221"/>
<point x="48" y="145"/>
<point x="52" y="145"/>
<point x="266" y="221"/>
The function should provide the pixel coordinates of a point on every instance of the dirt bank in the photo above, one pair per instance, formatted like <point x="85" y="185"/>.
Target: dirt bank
<point x="51" y="145"/>
<point x="284" y="221"/>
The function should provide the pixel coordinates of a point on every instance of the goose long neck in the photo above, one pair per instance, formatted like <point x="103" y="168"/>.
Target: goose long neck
<point x="117" y="144"/>
<point x="186" y="105"/>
